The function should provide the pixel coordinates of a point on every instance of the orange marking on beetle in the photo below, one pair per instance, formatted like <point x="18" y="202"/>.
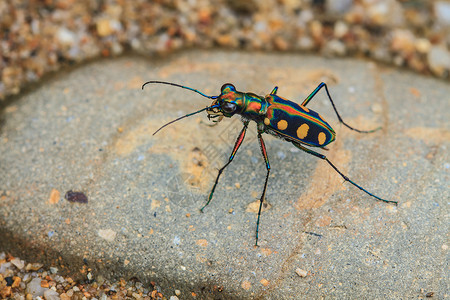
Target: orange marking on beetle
<point x="305" y="108"/>
<point x="254" y="106"/>
<point x="282" y="125"/>
<point x="302" y="131"/>
<point x="267" y="121"/>
<point x="322" y="137"/>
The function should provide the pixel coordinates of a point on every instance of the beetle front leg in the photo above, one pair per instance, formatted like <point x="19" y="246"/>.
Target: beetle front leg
<point x="238" y="143"/>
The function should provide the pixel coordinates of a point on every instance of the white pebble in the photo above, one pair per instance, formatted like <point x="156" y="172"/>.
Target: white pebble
<point x="4" y="267"/>
<point x="65" y="36"/>
<point x="338" y="6"/>
<point x="51" y="295"/>
<point x="34" y="288"/>
<point x="439" y="60"/>
<point x="423" y="45"/>
<point x="340" y="29"/>
<point x="301" y="272"/>
<point x="335" y="47"/>
<point x="305" y="43"/>
<point x="107" y="234"/>
<point x="442" y="12"/>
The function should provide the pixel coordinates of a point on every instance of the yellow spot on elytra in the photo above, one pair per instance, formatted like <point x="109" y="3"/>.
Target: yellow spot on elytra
<point x="302" y="131"/>
<point x="305" y="108"/>
<point x="282" y="125"/>
<point x="321" y="138"/>
<point x="267" y="121"/>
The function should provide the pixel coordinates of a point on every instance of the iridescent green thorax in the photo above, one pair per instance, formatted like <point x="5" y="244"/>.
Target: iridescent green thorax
<point x="248" y="105"/>
<point x="253" y="105"/>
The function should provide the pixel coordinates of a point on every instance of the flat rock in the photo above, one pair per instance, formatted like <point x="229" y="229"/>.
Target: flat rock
<point x="133" y="206"/>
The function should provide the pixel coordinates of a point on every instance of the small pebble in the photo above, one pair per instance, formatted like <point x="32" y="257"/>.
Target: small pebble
<point x="107" y="234"/>
<point x="335" y="48"/>
<point x="423" y="45"/>
<point x="338" y="6"/>
<point x="34" y="266"/>
<point x="301" y="272"/>
<point x="34" y="288"/>
<point x="442" y="11"/>
<point x="9" y="281"/>
<point x="20" y="264"/>
<point x="340" y="29"/>
<point x="51" y="295"/>
<point x="377" y="108"/>
<point x="439" y="60"/>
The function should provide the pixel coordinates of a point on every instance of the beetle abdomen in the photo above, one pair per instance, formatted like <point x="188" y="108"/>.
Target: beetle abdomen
<point x="298" y="123"/>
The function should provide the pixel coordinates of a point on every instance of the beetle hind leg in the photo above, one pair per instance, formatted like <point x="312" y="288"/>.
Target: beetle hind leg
<point x="321" y="156"/>
<point x="320" y="86"/>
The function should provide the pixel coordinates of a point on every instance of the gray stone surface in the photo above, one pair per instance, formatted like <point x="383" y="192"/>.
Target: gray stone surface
<point x="91" y="131"/>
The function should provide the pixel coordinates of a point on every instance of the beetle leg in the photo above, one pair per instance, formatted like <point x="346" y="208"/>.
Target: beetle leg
<point x="261" y="200"/>
<point x="274" y="91"/>
<point x="239" y="141"/>
<point x="321" y="156"/>
<point x="321" y="85"/>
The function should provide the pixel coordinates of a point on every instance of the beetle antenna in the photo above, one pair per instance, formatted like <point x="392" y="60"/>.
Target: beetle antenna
<point x="185" y="116"/>
<point x="181" y="86"/>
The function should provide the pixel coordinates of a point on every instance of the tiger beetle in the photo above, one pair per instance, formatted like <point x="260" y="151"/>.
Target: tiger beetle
<point x="273" y="115"/>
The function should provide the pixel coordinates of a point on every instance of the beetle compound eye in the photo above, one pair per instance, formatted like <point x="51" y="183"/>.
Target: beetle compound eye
<point x="228" y="107"/>
<point x="227" y="87"/>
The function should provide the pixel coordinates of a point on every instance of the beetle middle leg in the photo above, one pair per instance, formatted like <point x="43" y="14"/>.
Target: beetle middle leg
<point x="263" y="196"/>
<point x="238" y="143"/>
<point x="301" y="147"/>
<point x="321" y="85"/>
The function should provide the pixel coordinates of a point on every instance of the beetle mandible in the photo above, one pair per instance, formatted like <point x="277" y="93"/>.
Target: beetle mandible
<point x="273" y="115"/>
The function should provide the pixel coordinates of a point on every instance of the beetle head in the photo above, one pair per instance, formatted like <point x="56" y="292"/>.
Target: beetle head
<point x="227" y="103"/>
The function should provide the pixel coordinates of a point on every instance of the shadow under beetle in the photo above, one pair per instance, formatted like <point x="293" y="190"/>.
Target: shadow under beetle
<point x="274" y="115"/>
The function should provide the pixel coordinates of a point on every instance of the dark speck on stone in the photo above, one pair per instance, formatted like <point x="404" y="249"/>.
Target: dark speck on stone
<point x="76" y="197"/>
<point x="154" y="214"/>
